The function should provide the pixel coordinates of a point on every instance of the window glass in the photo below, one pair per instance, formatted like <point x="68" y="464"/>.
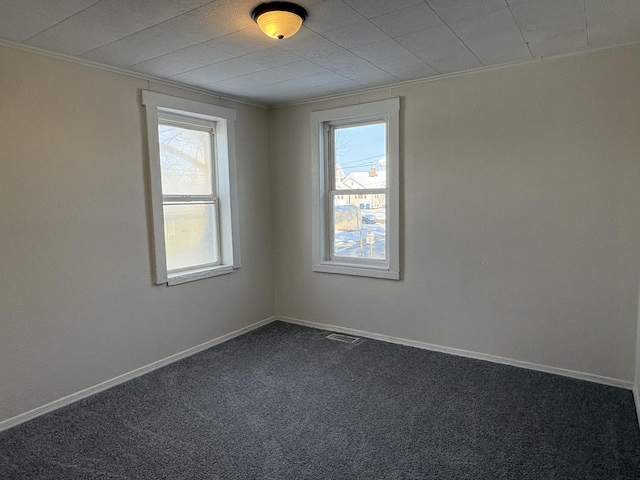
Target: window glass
<point x="359" y="153"/>
<point x="185" y="160"/>
<point x="359" y="232"/>
<point x="191" y="235"/>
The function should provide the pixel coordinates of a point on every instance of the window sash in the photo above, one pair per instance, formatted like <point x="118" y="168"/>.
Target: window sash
<point x="331" y="191"/>
<point x="187" y="123"/>
<point x="216" y="232"/>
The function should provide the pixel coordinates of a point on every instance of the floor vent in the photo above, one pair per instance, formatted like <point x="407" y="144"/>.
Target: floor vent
<point x="342" y="338"/>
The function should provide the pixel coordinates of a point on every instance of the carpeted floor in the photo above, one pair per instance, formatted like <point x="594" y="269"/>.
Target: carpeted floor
<point x="283" y="402"/>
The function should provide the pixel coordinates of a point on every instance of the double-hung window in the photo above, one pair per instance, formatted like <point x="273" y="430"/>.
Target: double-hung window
<point x="356" y="190"/>
<point x="192" y="168"/>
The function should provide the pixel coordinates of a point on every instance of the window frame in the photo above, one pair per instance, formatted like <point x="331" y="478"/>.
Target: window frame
<point x="323" y="179"/>
<point x="222" y="122"/>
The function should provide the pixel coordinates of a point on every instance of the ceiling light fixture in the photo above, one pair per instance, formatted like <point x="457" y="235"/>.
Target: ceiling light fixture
<point x="279" y="19"/>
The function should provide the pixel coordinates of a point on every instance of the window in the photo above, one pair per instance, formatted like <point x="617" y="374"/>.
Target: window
<point x="193" y="191"/>
<point x="356" y="219"/>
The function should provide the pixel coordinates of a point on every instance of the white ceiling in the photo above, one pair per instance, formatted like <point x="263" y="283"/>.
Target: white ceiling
<point x="345" y="45"/>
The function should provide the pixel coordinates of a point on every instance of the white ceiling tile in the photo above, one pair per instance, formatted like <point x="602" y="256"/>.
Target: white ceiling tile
<point x="200" y="25"/>
<point x="484" y="25"/>
<point x="407" y="20"/>
<point x="359" y="32"/>
<point x="613" y="22"/>
<point x="565" y="43"/>
<point x="220" y="71"/>
<point x="508" y="38"/>
<point x="384" y="53"/>
<point x="374" y="8"/>
<point x="536" y="12"/>
<point x="328" y="89"/>
<point x="418" y="42"/>
<point x="308" y="81"/>
<point x="272" y="57"/>
<point x="286" y="90"/>
<point x="455" y="10"/>
<point x="555" y="27"/>
<point x="496" y="56"/>
<point x="441" y="48"/>
<point x="412" y="70"/>
<point x="89" y="29"/>
<point x="302" y="69"/>
<point x="239" y="44"/>
<point x="393" y="58"/>
<point x="235" y="13"/>
<point x="151" y="11"/>
<point x="329" y="15"/>
<point x="181" y="61"/>
<point x="457" y="62"/>
<point x="253" y="80"/>
<point x="20" y="20"/>
<point x="366" y="74"/>
<point x="308" y="44"/>
<point x="337" y="60"/>
<point x="141" y="46"/>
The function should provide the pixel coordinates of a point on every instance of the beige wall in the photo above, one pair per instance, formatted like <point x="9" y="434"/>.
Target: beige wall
<point x="521" y="222"/>
<point x="77" y="305"/>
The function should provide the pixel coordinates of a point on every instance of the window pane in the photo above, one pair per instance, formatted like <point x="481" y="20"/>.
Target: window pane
<point x="359" y="153"/>
<point x="191" y="237"/>
<point x="359" y="229"/>
<point x="185" y="161"/>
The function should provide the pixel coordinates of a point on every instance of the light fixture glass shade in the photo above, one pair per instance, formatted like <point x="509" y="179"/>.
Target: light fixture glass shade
<point x="279" y="24"/>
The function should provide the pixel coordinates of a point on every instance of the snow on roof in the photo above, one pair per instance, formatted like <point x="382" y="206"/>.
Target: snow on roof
<point x="365" y="180"/>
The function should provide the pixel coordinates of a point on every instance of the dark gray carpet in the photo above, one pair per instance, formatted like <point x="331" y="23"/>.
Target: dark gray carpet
<point x="283" y="402"/>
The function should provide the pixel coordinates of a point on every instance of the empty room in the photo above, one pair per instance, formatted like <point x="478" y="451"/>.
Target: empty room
<point x="327" y="239"/>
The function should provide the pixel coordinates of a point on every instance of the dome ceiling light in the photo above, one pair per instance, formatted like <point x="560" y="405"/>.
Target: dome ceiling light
<point x="279" y="19"/>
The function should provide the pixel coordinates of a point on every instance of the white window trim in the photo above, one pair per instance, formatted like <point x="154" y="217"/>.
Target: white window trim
<point x="388" y="110"/>
<point x="225" y="145"/>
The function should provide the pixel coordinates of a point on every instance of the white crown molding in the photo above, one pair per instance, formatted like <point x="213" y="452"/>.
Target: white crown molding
<point x="612" y="382"/>
<point x="87" y="392"/>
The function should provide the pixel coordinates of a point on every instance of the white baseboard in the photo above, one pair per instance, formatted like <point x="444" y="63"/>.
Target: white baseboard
<point x="636" y="396"/>
<point x="87" y="392"/>
<point x="614" y="382"/>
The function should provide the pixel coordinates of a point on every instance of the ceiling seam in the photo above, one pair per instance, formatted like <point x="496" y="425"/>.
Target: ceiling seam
<point x="520" y="30"/>
<point x="149" y="28"/>
<point x="457" y="36"/>
<point x="64" y="19"/>
<point x="353" y="53"/>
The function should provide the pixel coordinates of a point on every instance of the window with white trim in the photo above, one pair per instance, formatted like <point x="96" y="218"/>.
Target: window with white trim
<point x="193" y="188"/>
<point x="356" y="224"/>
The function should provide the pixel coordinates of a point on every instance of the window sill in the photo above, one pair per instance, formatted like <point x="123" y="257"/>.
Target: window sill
<point x="360" y="271"/>
<point x="198" y="274"/>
